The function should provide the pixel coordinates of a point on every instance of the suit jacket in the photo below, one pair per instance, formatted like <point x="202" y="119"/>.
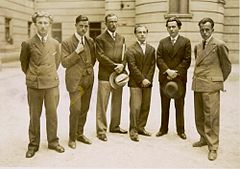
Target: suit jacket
<point x="140" y="66"/>
<point x="75" y="64"/>
<point x="40" y="62"/>
<point x="108" y="52"/>
<point x="212" y="66"/>
<point x="176" y="57"/>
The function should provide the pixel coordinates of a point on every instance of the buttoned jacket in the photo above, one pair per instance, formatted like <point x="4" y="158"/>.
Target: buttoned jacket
<point x="212" y="66"/>
<point x="141" y="66"/>
<point x="40" y="61"/>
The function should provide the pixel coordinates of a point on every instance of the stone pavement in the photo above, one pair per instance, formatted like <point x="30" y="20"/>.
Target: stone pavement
<point x="119" y="151"/>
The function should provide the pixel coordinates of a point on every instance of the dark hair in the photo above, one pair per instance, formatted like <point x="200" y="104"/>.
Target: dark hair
<point x="137" y="26"/>
<point x="179" y="23"/>
<point x="205" y="20"/>
<point x="109" y="15"/>
<point x="81" y="18"/>
<point x="41" y="14"/>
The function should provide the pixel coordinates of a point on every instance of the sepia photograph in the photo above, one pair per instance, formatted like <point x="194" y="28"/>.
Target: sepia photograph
<point x="119" y="84"/>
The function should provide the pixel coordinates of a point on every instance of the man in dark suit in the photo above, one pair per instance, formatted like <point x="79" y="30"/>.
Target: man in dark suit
<point x="40" y="58"/>
<point x="78" y="57"/>
<point x="173" y="60"/>
<point x="109" y="48"/>
<point x="212" y="68"/>
<point x="141" y="63"/>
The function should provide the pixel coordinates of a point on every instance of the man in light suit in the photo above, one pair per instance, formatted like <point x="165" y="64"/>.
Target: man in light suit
<point x="78" y="57"/>
<point x="141" y="63"/>
<point x="173" y="61"/>
<point x="40" y="58"/>
<point x="109" y="47"/>
<point x="212" y="68"/>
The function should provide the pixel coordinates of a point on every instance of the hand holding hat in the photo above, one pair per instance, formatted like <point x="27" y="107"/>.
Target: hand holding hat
<point x="145" y="83"/>
<point x="171" y="74"/>
<point x="119" y="67"/>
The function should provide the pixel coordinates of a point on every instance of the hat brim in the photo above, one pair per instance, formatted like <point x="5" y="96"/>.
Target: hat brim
<point x="173" y="89"/>
<point x="113" y="83"/>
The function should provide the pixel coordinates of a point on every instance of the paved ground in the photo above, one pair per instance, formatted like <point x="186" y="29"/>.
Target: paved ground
<point x="119" y="152"/>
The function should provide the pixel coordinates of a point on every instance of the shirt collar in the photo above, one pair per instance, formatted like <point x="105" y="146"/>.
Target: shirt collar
<point x="111" y="33"/>
<point x="79" y="37"/>
<point x="144" y="43"/>
<point x="175" y="38"/>
<point x="207" y="40"/>
<point x="44" y="38"/>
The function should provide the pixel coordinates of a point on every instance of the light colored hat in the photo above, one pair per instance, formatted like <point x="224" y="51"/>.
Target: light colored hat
<point x="118" y="80"/>
<point x="173" y="90"/>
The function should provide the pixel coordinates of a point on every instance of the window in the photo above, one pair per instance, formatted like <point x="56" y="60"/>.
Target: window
<point x="57" y="31"/>
<point x="94" y="29"/>
<point x="29" y="29"/>
<point x="179" y="8"/>
<point x="8" y="31"/>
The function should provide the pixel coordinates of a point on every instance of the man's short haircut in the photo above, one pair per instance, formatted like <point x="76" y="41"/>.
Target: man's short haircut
<point x="41" y="14"/>
<point x="81" y="18"/>
<point x="109" y="15"/>
<point x="179" y="23"/>
<point x="138" y="26"/>
<point x="205" y="20"/>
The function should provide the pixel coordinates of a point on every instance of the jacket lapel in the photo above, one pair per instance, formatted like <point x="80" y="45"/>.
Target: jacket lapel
<point x="177" y="45"/>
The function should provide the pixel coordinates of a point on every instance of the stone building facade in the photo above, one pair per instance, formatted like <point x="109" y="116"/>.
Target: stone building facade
<point x="16" y="25"/>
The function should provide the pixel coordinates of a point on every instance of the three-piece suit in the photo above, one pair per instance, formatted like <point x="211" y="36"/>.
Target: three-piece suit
<point x="212" y="68"/>
<point x="175" y="57"/>
<point x="40" y="61"/>
<point x="79" y="77"/>
<point x="141" y="66"/>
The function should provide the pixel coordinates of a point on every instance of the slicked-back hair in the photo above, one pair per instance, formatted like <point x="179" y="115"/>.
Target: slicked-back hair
<point x="81" y="18"/>
<point x="205" y="20"/>
<point x="109" y="15"/>
<point x="179" y="23"/>
<point x="41" y="14"/>
<point x="138" y="26"/>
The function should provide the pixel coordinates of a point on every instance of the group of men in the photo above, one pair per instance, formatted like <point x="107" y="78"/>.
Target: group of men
<point x="41" y="55"/>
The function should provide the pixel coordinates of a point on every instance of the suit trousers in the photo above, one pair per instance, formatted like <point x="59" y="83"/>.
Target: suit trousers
<point x="140" y="99"/>
<point x="36" y="97"/>
<point x="207" y="112"/>
<point x="103" y="94"/>
<point x="79" y="106"/>
<point x="179" y="107"/>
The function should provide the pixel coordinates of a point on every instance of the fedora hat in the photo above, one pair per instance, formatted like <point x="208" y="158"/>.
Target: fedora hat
<point x="173" y="89"/>
<point x="118" y="80"/>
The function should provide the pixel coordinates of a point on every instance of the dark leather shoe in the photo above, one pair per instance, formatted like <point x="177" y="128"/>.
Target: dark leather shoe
<point x="30" y="153"/>
<point x="144" y="132"/>
<point x="102" y="137"/>
<point x="199" y="143"/>
<point x="57" y="148"/>
<point x="212" y="155"/>
<point x="121" y="131"/>
<point x="72" y="144"/>
<point x="160" y="133"/>
<point x="84" y="139"/>
<point x="182" y="136"/>
<point x="134" y="135"/>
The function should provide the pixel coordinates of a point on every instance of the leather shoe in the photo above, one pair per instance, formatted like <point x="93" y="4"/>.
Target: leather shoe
<point x="84" y="139"/>
<point x="182" y="136"/>
<point x="160" y="133"/>
<point x="72" y="144"/>
<point x="102" y="137"/>
<point x="199" y="143"/>
<point x="57" y="148"/>
<point x="30" y="153"/>
<point x="212" y="155"/>
<point x="134" y="135"/>
<point x="121" y="131"/>
<point x="144" y="132"/>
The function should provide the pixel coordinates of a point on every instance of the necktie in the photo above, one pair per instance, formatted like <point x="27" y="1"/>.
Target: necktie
<point x="43" y="41"/>
<point x="173" y="41"/>
<point x="113" y="35"/>
<point x="82" y="41"/>
<point x="204" y="44"/>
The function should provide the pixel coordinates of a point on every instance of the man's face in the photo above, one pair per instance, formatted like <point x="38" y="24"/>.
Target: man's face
<point x="42" y="24"/>
<point x="173" y="29"/>
<point x="141" y="34"/>
<point x="206" y="30"/>
<point x="112" y="23"/>
<point x="82" y="27"/>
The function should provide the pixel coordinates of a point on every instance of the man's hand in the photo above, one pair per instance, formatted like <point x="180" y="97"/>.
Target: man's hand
<point x="79" y="48"/>
<point x="119" y="68"/>
<point x="171" y="74"/>
<point x="145" y="83"/>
